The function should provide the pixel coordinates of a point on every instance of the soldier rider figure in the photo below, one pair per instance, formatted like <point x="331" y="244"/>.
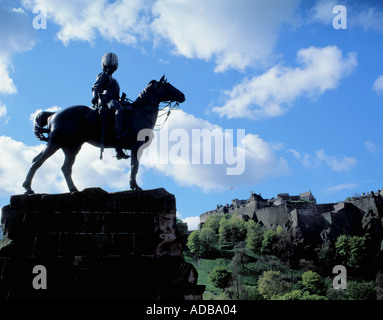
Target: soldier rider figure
<point x="109" y="90"/>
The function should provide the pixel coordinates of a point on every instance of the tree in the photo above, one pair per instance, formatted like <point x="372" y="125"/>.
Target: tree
<point x="194" y="243"/>
<point x="232" y="230"/>
<point x="212" y="222"/>
<point x="272" y="284"/>
<point x="182" y="226"/>
<point x="254" y="237"/>
<point x="350" y="250"/>
<point x="326" y="255"/>
<point x="361" y="290"/>
<point x="313" y="283"/>
<point x="208" y="242"/>
<point x="220" y="277"/>
<point x="267" y="241"/>
<point x="282" y="244"/>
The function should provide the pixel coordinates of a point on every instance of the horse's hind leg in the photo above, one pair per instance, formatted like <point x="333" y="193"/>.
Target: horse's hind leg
<point x="70" y="157"/>
<point x="37" y="163"/>
<point x="135" y="162"/>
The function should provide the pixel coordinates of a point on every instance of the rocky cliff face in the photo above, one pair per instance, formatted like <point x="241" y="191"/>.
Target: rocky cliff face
<point x="359" y="217"/>
<point x="94" y="244"/>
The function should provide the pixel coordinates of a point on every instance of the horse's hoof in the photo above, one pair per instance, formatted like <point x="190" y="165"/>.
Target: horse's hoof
<point x="29" y="192"/>
<point x="135" y="187"/>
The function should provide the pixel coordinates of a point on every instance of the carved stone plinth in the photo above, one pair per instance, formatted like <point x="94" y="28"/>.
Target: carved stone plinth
<point x="95" y="245"/>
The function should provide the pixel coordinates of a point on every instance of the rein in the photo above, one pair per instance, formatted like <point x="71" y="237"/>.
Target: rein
<point x="170" y="106"/>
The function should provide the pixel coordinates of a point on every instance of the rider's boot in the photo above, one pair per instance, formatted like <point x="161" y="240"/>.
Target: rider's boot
<point x="120" y="136"/>
<point x="121" y="154"/>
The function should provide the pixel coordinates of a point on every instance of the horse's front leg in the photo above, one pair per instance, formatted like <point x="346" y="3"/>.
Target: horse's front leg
<point x="134" y="164"/>
<point x="36" y="164"/>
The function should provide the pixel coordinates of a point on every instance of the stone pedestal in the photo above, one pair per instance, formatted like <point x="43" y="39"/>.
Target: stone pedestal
<point x="95" y="245"/>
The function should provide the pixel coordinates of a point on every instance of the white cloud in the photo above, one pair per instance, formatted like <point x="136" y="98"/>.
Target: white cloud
<point x="260" y="160"/>
<point x="85" y="20"/>
<point x="237" y="34"/>
<point x="322" y="12"/>
<point x="336" y="163"/>
<point x="358" y="15"/>
<point x="88" y="170"/>
<point x="369" y="19"/>
<point x="192" y="222"/>
<point x="34" y="114"/>
<point x="16" y="36"/>
<point x="341" y="187"/>
<point x="7" y="85"/>
<point x="371" y="147"/>
<point x="3" y="110"/>
<point x="378" y="85"/>
<point x="270" y="94"/>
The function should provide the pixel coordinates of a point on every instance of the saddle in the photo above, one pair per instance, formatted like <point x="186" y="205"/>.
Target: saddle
<point x="108" y="119"/>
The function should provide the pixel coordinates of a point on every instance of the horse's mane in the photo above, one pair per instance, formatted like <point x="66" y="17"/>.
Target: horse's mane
<point x="144" y="93"/>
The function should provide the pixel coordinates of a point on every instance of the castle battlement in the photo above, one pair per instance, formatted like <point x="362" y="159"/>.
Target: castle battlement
<point x="284" y="208"/>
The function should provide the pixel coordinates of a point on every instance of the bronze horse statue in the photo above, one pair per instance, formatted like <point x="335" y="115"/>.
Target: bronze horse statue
<point x="70" y="128"/>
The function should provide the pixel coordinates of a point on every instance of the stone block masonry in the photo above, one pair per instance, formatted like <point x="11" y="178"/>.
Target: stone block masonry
<point x="95" y="245"/>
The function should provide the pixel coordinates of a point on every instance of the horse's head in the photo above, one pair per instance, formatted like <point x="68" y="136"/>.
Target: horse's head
<point x="167" y="92"/>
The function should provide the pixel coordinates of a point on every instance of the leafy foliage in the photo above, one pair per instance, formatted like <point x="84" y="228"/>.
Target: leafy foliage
<point x="361" y="290"/>
<point x="220" y="277"/>
<point x="254" y="237"/>
<point x="272" y="284"/>
<point x="313" y="283"/>
<point x="212" y="222"/>
<point x="299" y="295"/>
<point x="202" y="242"/>
<point x="232" y="230"/>
<point x="350" y="250"/>
<point x="267" y="242"/>
<point x="261" y="263"/>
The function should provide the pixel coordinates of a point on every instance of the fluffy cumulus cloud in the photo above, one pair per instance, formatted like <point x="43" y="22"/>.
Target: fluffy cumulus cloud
<point x="273" y="92"/>
<point x="236" y="34"/>
<point x="322" y="12"/>
<point x="88" y="171"/>
<point x="191" y="151"/>
<point x="192" y="222"/>
<point x="196" y="153"/>
<point x="123" y="20"/>
<point x="19" y="37"/>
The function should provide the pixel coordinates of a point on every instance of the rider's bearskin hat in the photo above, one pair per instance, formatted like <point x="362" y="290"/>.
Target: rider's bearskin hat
<point x="109" y="60"/>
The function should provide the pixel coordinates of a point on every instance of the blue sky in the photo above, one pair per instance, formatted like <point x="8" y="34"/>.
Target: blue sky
<point x="308" y="96"/>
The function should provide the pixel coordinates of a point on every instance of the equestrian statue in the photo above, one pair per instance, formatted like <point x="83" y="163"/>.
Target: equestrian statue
<point x="113" y="123"/>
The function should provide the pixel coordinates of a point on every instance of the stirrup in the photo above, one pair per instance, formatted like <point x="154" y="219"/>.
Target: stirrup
<point x="122" y="155"/>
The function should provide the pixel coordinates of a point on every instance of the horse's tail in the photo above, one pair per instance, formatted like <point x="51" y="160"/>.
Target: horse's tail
<point x="41" y="120"/>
